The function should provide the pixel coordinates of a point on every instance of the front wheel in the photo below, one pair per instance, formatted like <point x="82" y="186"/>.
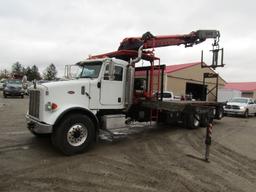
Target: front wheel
<point x="74" y="134"/>
<point x="246" y="114"/>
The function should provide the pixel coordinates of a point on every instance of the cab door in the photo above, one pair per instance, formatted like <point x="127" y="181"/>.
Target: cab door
<point x="112" y="86"/>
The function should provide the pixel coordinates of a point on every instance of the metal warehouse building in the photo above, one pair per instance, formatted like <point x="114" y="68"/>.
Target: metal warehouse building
<point x="185" y="79"/>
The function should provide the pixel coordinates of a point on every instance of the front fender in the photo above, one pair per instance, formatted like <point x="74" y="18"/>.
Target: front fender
<point x="80" y="110"/>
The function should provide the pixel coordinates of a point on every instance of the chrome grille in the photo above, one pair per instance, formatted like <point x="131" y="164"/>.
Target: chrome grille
<point x="228" y="107"/>
<point x="34" y="100"/>
<point x="232" y="107"/>
<point x="235" y="107"/>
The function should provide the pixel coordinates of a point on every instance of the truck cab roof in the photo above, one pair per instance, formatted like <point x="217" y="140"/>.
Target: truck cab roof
<point x="119" y="61"/>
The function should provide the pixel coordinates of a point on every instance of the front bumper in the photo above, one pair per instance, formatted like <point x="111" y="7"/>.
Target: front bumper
<point x="37" y="126"/>
<point x="234" y="112"/>
<point x="14" y="93"/>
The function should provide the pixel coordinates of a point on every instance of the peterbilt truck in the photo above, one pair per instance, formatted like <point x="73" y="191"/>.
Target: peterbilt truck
<point x="73" y="111"/>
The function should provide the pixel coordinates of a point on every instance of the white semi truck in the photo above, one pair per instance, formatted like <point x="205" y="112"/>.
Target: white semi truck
<point x="73" y="111"/>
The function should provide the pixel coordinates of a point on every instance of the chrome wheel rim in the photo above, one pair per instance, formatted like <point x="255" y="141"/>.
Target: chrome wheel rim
<point x="220" y="114"/>
<point x="214" y="112"/>
<point x="77" y="134"/>
<point x="196" y="120"/>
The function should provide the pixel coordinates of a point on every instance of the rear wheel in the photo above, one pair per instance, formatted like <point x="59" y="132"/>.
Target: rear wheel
<point x="204" y="121"/>
<point x="220" y="113"/>
<point x="74" y="134"/>
<point x="192" y="121"/>
<point x="246" y="114"/>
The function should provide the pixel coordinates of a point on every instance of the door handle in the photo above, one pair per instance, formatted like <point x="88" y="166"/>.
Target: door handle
<point x="83" y="90"/>
<point x="99" y="84"/>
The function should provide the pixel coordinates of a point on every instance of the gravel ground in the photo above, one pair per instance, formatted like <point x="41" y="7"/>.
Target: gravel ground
<point x="142" y="157"/>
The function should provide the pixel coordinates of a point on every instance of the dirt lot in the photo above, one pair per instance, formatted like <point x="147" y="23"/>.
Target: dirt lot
<point x="146" y="159"/>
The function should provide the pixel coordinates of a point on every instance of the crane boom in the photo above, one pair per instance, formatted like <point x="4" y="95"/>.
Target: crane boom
<point x="150" y="41"/>
<point x="130" y="46"/>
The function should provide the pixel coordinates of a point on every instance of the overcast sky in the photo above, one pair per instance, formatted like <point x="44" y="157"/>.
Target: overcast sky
<point x="64" y="32"/>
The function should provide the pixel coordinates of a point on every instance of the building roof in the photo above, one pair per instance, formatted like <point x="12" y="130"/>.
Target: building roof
<point x="177" y="67"/>
<point x="172" y="68"/>
<point x="242" y="86"/>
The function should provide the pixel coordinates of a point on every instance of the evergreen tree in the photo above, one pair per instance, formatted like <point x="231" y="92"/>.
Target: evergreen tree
<point x="17" y="69"/>
<point x="34" y="73"/>
<point x="50" y="73"/>
<point x="29" y="74"/>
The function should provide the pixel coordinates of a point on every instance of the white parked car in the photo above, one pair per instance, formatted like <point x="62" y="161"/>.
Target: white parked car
<point x="240" y="106"/>
<point x="167" y="96"/>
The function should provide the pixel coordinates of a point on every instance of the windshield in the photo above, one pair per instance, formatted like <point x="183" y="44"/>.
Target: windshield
<point x="239" y="100"/>
<point x="14" y="81"/>
<point x="90" y="70"/>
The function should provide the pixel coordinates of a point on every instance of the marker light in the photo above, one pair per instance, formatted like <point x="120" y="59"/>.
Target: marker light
<point x="51" y="106"/>
<point x="54" y="106"/>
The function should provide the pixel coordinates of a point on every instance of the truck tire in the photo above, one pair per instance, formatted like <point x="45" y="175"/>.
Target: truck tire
<point x="220" y="113"/>
<point x="74" y="134"/>
<point x="246" y="114"/>
<point x="204" y="121"/>
<point x="192" y="121"/>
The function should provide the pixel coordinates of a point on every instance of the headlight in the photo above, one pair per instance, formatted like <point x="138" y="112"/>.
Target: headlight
<point x="242" y="108"/>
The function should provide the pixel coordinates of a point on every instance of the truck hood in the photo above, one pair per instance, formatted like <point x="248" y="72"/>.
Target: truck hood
<point x="65" y="94"/>
<point x="68" y="91"/>
<point x="65" y="84"/>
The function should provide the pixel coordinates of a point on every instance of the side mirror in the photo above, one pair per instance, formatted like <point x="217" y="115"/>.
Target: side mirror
<point x="109" y="71"/>
<point x="106" y="76"/>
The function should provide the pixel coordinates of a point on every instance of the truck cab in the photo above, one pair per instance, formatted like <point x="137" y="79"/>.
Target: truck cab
<point x="99" y="88"/>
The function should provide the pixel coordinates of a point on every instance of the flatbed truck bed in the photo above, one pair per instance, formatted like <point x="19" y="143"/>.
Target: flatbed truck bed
<point x="191" y="113"/>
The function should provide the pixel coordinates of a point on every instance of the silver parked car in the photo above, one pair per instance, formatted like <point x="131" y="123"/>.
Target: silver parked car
<point x="13" y="87"/>
<point x="240" y="106"/>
